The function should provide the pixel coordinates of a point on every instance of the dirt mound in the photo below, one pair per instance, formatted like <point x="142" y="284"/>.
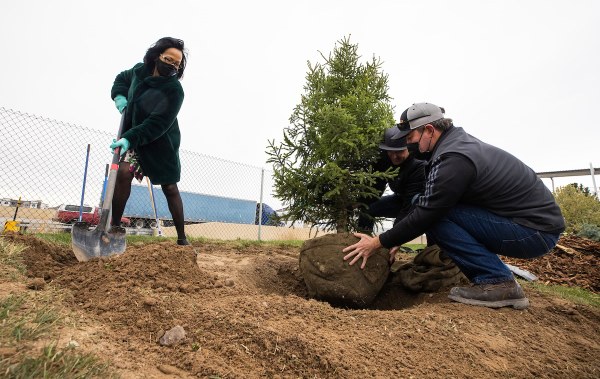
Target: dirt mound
<point x="246" y="314"/>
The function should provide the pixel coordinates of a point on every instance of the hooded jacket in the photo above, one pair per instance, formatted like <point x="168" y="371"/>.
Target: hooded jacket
<point x="151" y="126"/>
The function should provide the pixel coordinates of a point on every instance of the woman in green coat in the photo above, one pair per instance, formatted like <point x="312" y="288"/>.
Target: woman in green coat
<point x="151" y="95"/>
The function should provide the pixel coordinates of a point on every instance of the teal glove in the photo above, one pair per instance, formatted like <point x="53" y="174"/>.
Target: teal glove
<point x="122" y="143"/>
<point x="120" y="103"/>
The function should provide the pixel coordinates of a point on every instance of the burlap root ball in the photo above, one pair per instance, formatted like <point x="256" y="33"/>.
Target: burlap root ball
<point x="328" y="277"/>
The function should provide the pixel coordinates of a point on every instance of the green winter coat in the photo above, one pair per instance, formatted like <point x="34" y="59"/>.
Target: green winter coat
<point x="151" y="121"/>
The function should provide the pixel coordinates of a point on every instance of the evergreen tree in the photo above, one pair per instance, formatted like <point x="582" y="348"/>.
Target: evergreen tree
<point x="323" y="167"/>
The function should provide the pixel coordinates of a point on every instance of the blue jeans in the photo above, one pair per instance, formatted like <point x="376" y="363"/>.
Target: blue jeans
<point x="472" y="237"/>
<point x="388" y="206"/>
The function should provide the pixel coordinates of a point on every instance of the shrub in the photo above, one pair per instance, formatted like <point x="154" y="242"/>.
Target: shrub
<point x="590" y="231"/>
<point x="578" y="206"/>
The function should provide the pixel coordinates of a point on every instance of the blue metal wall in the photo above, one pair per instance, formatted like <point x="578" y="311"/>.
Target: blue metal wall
<point x="197" y="207"/>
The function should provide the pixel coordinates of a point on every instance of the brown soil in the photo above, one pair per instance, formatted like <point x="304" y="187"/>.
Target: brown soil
<point x="246" y="314"/>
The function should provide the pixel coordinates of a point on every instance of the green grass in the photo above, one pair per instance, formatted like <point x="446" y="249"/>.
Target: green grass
<point x="574" y="294"/>
<point x="33" y="316"/>
<point x="65" y="239"/>
<point x="27" y="318"/>
<point x="10" y="255"/>
<point x="59" y="238"/>
<point x="57" y="363"/>
<point x="7" y="306"/>
<point x="20" y="323"/>
<point x="415" y="246"/>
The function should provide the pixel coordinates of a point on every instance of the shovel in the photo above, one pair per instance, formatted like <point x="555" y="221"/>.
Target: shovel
<point x="88" y="244"/>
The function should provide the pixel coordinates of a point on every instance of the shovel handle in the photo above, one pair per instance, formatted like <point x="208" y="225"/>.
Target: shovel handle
<point x="112" y="178"/>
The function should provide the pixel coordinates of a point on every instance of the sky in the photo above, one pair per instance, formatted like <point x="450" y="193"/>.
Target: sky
<point x="521" y="75"/>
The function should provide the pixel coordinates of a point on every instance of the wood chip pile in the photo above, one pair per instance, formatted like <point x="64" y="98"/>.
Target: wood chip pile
<point x="575" y="261"/>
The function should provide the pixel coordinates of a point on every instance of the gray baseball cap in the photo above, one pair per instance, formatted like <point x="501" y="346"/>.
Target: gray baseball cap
<point x="390" y="144"/>
<point x="418" y="114"/>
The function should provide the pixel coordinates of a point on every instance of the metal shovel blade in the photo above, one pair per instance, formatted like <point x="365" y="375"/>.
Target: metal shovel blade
<point x="88" y="244"/>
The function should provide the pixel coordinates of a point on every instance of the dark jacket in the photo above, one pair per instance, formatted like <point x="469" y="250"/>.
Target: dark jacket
<point x="409" y="181"/>
<point x="151" y="121"/>
<point x="465" y="170"/>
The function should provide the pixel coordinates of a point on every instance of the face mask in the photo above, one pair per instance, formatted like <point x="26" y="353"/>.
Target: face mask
<point x="413" y="149"/>
<point x="165" y="69"/>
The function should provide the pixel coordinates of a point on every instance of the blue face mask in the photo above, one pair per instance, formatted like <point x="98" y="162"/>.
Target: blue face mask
<point x="165" y="69"/>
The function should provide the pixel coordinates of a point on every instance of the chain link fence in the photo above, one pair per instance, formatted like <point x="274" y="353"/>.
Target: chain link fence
<point x="43" y="165"/>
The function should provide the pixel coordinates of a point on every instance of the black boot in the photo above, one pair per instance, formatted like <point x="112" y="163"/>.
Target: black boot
<point x="182" y="241"/>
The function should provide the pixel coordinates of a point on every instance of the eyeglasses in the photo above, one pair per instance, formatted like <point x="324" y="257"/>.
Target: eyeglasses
<point x="170" y="61"/>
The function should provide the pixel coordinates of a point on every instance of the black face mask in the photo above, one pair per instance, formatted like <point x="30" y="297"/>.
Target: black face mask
<point x="413" y="150"/>
<point x="165" y="69"/>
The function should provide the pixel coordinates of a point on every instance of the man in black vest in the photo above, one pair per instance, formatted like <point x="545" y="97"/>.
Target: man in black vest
<point x="409" y="182"/>
<point x="479" y="202"/>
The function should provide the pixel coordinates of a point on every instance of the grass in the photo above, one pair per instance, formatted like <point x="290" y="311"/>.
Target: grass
<point x="26" y="318"/>
<point x="10" y="255"/>
<point x="415" y="246"/>
<point x="20" y="322"/>
<point x="7" y="306"/>
<point x="65" y="239"/>
<point x="574" y="294"/>
<point x="57" y="363"/>
<point x="29" y="319"/>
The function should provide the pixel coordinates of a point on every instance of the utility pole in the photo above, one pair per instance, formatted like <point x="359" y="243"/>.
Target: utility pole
<point x="594" y="181"/>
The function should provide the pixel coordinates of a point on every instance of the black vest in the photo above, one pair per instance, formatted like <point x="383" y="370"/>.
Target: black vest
<point x="503" y="184"/>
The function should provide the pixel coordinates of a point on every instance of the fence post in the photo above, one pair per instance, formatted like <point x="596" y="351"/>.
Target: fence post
<point x="260" y="204"/>
<point x="87" y="158"/>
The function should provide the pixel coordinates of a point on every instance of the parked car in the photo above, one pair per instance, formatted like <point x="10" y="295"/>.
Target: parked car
<point x="69" y="214"/>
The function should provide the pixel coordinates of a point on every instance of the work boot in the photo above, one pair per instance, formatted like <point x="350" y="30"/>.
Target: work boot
<point x="182" y="241"/>
<point x="505" y="294"/>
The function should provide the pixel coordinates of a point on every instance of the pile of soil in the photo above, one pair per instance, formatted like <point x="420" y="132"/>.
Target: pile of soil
<point x="246" y="314"/>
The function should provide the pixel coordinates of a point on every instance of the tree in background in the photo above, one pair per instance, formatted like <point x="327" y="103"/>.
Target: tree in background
<point x="322" y="167"/>
<point x="580" y="208"/>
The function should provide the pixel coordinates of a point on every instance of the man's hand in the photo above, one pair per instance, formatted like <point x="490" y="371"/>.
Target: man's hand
<point x="363" y="248"/>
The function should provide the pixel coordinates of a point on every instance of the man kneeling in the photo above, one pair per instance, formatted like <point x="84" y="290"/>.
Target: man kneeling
<point x="479" y="201"/>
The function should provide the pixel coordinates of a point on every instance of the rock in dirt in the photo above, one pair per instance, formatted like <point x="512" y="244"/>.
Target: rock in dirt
<point x="159" y="335"/>
<point x="36" y="284"/>
<point x="149" y="301"/>
<point x="328" y="277"/>
<point x="169" y="370"/>
<point x="229" y="282"/>
<point x="172" y="336"/>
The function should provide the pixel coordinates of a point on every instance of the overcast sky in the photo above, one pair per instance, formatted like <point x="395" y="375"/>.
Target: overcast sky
<point x="521" y="75"/>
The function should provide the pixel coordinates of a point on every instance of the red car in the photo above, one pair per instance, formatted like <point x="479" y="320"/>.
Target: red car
<point x="69" y="214"/>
